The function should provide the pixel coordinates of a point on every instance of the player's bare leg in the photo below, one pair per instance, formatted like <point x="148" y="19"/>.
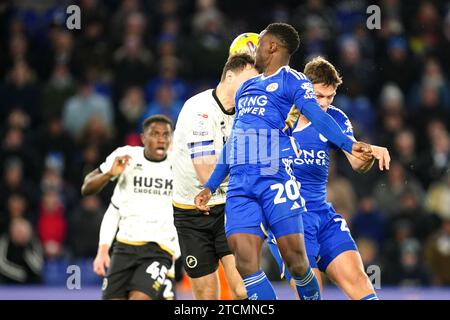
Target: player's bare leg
<point x="247" y="251"/>
<point x="138" y="295"/>
<point x="206" y="287"/>
<point x="293" y="252"/>
<point x="246" y="248"/>
<point x="319" y="278"/>
<point x="347" y="272"/>
<point x="234" y="279"/>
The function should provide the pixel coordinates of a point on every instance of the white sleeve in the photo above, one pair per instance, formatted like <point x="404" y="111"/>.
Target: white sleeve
<point x="107" y="164"/>
<point x="109" y="225"/>
<point x="200" y="133"/>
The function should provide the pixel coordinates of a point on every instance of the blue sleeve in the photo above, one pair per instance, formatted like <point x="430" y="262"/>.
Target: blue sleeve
<point x="221" y="170"/>
<point x="326" y="125"/>
<point x="301" y="91"/>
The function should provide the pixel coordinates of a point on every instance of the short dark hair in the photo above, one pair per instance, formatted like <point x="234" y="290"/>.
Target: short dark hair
<point x="156" y="118"/>
<point x="237" y="62"/>
<point x="319" y="70"/>
<point x="286" y="34"/>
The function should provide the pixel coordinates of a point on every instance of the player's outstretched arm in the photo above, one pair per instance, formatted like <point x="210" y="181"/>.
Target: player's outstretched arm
<point x="108" y="229"/>
<point x="302" y="93"/>
<point x="95" y="181"/>
<point x="102" y="260"/>
<point x="204" y="166"/>
<point x="221" y="171"/>
<point x="326" y="125"/>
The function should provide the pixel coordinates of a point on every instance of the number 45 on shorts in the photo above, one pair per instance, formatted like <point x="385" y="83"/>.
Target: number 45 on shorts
<point x="156" y="272"/>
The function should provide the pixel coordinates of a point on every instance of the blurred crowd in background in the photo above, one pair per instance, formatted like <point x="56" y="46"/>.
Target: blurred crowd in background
<point x="70" y="97"/>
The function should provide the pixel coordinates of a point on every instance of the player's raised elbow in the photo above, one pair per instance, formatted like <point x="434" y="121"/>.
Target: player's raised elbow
<point x="88" y="187"/>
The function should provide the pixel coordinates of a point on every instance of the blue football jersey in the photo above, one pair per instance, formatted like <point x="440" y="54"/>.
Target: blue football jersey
<point x="311" y="168"/>
<point x="267" y="110"/>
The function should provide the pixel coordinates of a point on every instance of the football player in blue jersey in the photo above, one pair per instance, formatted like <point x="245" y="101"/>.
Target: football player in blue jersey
<point x="329" y="245"/>
<point x="258" y="155"/>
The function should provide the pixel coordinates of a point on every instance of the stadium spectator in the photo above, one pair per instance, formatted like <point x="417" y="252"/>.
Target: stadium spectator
<point x="429" y="110"/>
<point x="21" y="257"/>
<point x="56" y="91"/>
<point x="61" y="51"/>
<point x="209" y="48"/>
<point x="357" y="71"/>
<point x="165" y="103"/>
<point x="84" y="226"/>
<point x="438" y="197"/>
<point x="86" y="104"/>
<point x="369" y="222"/>
<point x="14" y="182"/>
<point x="18" y="52"/>
<point x="406" y="153"/>
<point x="96" y="132"/>
<point x="316" y="24"/>
<point x="52" y="224"/>
<point x="169" y="67"/>
<point x="52" y="181"/>
<point x="21" y="91"/>
<point x="132" y="64"/>
<point x="131" y="106"/>
<point x="392" y="114"/>
<point x="207" y="13"/>
<point x="396" y="66"/>
<point x="411" y="270"/>
<point x="389" y="190"/>
<point x="16" y="146"/>
<point x="437" y="253"/>
<point x="120" y="16"/>
<point x="55" y="144"/>
<point x="402" y="258"/>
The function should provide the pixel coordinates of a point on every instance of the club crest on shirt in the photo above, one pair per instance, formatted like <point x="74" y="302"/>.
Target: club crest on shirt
<point x="272" y="87"/>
